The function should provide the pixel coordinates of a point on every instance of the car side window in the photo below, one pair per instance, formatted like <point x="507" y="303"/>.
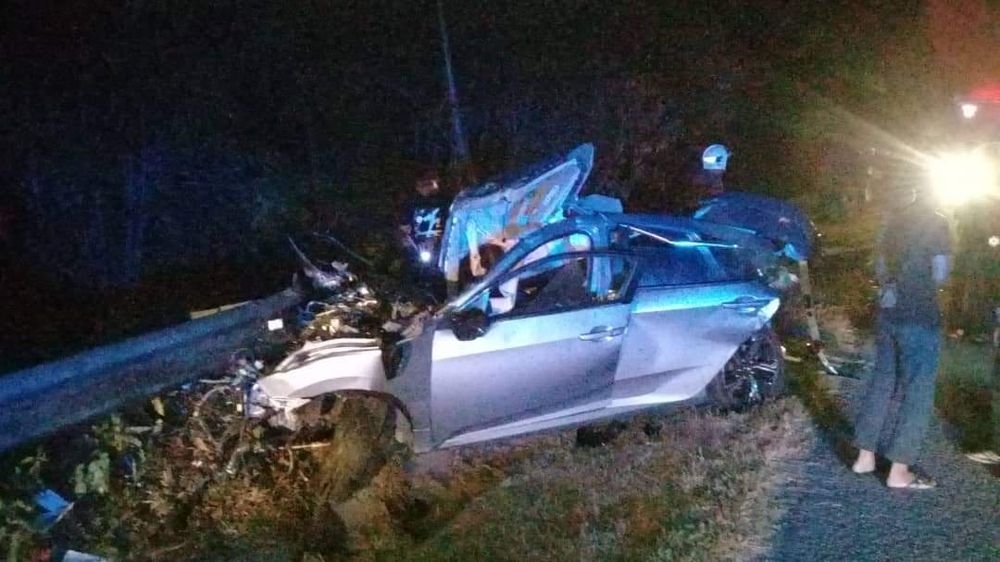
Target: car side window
<point x="553" y="285"/>
<point x="668" y="265"/>
<point x="737" y="264"/>
<point x="665" y="264"/>
<point x="561" y="283"/>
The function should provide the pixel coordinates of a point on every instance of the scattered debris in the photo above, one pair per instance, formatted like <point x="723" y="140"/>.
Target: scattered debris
<point x="323" y="280"/>
<point x="53" y="508"/>
<point x="342" y="246"/>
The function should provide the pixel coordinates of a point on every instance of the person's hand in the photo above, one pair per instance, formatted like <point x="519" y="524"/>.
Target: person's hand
<point x="476" y="266"/>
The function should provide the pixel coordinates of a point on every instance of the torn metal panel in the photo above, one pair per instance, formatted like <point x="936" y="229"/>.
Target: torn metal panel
<point x="316" y="369"/>
<point x="323" y="280"/>
<point x="510" y="208"/>
<point x="327" y="366"/>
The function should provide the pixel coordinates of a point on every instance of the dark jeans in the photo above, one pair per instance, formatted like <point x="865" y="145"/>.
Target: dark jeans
<point x="906" y="363"/>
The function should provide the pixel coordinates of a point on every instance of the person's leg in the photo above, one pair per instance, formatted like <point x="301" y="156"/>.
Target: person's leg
<point x="876" y="398"/>
<point x="920" y="348"/>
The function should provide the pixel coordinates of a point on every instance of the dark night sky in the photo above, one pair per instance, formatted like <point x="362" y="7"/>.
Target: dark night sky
<point x="351" y="78"/>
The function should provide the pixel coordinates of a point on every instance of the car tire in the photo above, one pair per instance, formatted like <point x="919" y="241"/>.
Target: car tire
<point x="754" y="374"/>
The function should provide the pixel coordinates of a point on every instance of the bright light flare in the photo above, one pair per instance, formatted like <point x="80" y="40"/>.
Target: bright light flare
<point x="969" y="110"/>
<point x="425" y="256"/>
<point x="960" y="177"/>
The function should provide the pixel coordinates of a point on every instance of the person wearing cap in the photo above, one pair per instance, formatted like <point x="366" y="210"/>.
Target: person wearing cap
<point x="713" y="167"/>
<point x="912" y="262"/>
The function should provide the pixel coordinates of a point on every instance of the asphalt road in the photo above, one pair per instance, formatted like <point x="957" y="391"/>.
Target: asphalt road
<point x="834" y="514"/>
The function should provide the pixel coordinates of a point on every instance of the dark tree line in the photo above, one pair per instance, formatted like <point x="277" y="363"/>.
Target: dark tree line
<point x="143" y="134"/>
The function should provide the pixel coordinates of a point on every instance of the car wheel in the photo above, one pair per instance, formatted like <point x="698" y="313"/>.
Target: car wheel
<point x="755" y="373"/>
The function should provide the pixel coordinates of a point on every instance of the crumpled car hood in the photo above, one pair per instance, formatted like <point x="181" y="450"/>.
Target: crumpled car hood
<point x="512" y="207"/>
<point x="327" y="366"/>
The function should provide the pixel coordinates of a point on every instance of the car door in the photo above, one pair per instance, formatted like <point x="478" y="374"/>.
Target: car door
<point x="556" y="348"/>
<point x="691" y="310"/>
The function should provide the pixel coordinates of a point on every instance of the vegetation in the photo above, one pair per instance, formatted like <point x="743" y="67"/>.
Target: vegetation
<point x="684" y="486"/>
<point x="967" y="394"/>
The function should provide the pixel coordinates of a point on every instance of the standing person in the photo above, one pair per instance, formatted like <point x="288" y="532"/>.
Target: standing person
<point x="714" y="160"/>
<point x="421" y="227"/>
<point x="911" y="263"/>
<point x="699" y="177"/>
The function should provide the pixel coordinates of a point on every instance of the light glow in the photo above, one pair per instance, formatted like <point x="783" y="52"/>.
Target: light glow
<point x="969" y="110"/>
<point x="425" y="256"/>
<point x="961" y="177"/>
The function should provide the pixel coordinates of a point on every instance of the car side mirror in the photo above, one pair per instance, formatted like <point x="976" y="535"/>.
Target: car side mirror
<point x="468" y="325"/>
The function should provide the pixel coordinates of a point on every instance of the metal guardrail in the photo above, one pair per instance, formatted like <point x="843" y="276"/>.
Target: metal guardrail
<point x="45" y="398"/>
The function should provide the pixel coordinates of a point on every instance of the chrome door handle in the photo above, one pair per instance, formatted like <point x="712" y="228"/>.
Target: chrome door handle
<point x="602" y="333"/>
<point x="746" y="305"/>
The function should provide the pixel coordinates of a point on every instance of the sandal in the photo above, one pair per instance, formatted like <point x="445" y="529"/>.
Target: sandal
<point x="984" y="457"/>
<point x="918" y="483"/>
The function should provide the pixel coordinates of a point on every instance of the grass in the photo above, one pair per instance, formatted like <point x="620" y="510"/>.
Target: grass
<point x="691" y="485"/>
<point x="856" y="234"/>
<point x="965" y="395"/>
<point x="697" y="488"/>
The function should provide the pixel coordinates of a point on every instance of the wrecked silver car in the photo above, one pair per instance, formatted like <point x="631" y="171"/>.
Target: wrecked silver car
<point x="588" y="315"/>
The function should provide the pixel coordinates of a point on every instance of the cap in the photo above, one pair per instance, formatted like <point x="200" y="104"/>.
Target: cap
<point x="715" y="157"/>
